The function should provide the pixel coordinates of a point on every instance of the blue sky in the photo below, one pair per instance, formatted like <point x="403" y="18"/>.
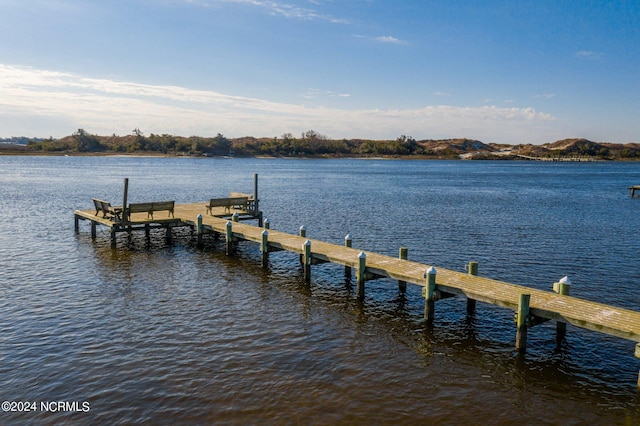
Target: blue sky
<point x="498" y="71"/>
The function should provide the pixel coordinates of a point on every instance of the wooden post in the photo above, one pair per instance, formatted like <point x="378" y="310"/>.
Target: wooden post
<point x="76" y="220"/>
<point x="361" y="275"/>
<point x="523" y="314"/>
<point x="264" y="248"/>
<point x="93" y="230"/>
<point x="429" y="294"/>
<point x="637" y="355"/>
<point x="125" y="194"/>
<point x="471" y="303"/>
<point x="199" y="230"/>
<point x="113" y="237"/>
<point x="267" y="224"/>
<point x="403" y="254"/>
<point x="168" y="234"/>
<point x="235" y="217"/>
<point x="306" y="247"/>
<point x="303" y="233"/>
<point x="255" y="196"/>
<point x="229" y="236"/>
<point x="562" y="287"/>
<point x="147" y="229"/>
<point x="348" y="242"/>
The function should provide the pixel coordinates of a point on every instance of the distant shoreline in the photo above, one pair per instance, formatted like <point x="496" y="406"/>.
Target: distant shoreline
<point x="314" y="146"/>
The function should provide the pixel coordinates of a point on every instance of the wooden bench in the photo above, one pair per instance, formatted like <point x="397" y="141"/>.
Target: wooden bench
<point x="150" y="208"/>
<point x="251" y="203"/>
<point x="227" y="203"/>
<point x="105" y="207"/>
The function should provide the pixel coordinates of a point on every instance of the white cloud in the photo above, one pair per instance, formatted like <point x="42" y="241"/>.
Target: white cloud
<point x="280" y="9"/>
<point x="545" y="95"/>
<point x="382" y="39"/>
<point x="56" y="103"/>
<point x="318" y="93"/>
<point x="390" y="39"/>
<point x="589" y="54"/>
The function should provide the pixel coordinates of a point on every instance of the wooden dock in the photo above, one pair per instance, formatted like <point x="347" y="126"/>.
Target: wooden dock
<point x="633" y="190"/>
<point x="531" y="306"/>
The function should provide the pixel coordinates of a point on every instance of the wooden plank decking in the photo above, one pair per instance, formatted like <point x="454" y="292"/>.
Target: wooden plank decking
<point x="544" y="305"/>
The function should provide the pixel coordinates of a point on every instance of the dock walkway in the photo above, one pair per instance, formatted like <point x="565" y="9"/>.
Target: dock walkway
<point x="531" y="306"/>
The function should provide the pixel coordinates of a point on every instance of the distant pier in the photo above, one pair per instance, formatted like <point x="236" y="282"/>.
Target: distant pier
<point x="223" y="216"/>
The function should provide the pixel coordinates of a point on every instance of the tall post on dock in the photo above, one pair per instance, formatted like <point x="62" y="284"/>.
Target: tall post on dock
<point x="562" y="287"/>
<point x="125" y="195"/>
<point x="229" y="236"/>
<point x="403" y="255"/>
<point x="306" y="248"/>
<point x="264" y="248"/>
<point x="255" y="193"/>
<point x="348" y="242"/>
<point x="521" y="321"/>
<point x="429" y="292"/>
<point x="472" y="269"/>
<point x="361" y="275"/>
<point x="199" y="230"/>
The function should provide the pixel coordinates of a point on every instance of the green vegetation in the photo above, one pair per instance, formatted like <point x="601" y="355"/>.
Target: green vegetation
<point x="314" y="144"/>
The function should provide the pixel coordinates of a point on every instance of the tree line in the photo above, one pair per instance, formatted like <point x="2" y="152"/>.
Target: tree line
<point x="310" y="143"/>
<point x="314" y="144"/>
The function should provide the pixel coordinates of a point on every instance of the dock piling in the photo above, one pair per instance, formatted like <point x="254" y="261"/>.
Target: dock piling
<point x="404" y="255"/>
<point x="562" y="287"/>
<point x="521" y="321"/>
<point x="428" y="291"/>
<point x="199" y="230"/>
<point x="348" y="242"/>
<point x="637" y="355"/>
<point x="303" y="233"/>
<point x="306" y="248"/>
<point x="113" y="237"/>
<point x="264" y="247"/>
<point x="361" y="275"/>
<point x="472" y="269"/>
<point x="229" y="238"/>
<point x="167" y="234"/>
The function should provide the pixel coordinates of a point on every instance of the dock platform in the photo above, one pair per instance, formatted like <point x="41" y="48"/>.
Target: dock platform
<point x="531" y="306"/>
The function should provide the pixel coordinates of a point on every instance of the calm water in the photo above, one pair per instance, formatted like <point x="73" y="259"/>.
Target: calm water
<point x="170" y="334"/>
